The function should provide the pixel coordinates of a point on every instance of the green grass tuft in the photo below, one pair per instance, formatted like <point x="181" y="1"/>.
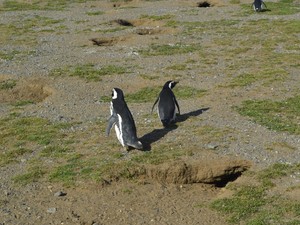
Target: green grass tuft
<point x="155" y="17"/>
<point x="22" y="103"/>
<point x="8" y="84"/>
<point x="67" y="173"/>
<point x="12" y="155"/>
<point x="245" y="202"/>
<point x="275" y="171"/>
<point x="19" y="135"/>
<point x="279" y="115"/>
<point x="89" y="72"/>
<point x="54" y="151"/>
<point x="33" y="175"/>
<point x="254" y="205"/>
<point x="23" y="5"/>
<point x="178" y="48"/>
<point x="95" y="13"/>
<point x="266" y="76"/>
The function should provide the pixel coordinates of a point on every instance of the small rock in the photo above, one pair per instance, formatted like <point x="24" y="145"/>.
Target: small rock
<point x="51" y="210"/>
<point x="60" y="194"/>
<point x="7" y="193"/>
<point x="212" y="146"/>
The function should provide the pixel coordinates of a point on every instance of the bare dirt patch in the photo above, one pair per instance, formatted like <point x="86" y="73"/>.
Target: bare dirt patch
<point x="218" y="172"/>
<point x="31" y="89"/>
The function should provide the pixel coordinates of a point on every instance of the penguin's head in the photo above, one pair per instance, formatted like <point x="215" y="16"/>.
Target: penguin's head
<point x="117" y="93"/>
<point x="170" y="84"/>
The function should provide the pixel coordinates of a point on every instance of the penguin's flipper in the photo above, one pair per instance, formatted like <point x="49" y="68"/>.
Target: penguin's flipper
<point x="177" y="105"/>
<point x="154" y="104"/>
<point x="111" y="121"/>
<point x="264" y="6"/>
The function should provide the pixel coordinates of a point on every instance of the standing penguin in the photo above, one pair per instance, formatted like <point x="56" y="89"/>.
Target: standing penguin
<point x="122" y="118"/>
<point x="167" y="104"/>
<point x="259" y="6"/>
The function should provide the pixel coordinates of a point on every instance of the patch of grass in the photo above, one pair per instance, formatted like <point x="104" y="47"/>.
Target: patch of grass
<point x="23" y="5"/>
<point x="267" y="76"/>
<point x="178" y="48"/>
<point x="33" y="175"/>
<point x="276" y="171"/>
<point x="235" y="1"/>
<point x="89" y="72"/>
<point x="159" y="156"/>
<point x="143" y="95"/>
<point x="177" y="67"/>
<point x="253" y="205"/>
<point x="276" y="115"/>
<point x="25" y="34"/>
<point x="260" y="50"/>
<point x="149" y="94"/>
<point x="282" y="7"/>
<point x="9" y="55"/>
<point x="244" y="203"/>
<point x="185" y="92"/>
<point x="22" y="103"/>
<point x="221" y="26"/>
<point x="8" y="84"/>
<point x="211" y="134"/>
<point x="30" y="132"/>
<point x="54" y="151"/>
<point x="149" y="77"/>
<point x="12" y="155"/>
<point x="95" y="13"/>
<point x="280" y="146"/>
<point x="155" y="17"/>
<point x="65" y="173"/>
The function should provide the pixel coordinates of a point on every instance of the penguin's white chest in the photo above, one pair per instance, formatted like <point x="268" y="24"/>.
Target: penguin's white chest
<point x="119" y="130"/>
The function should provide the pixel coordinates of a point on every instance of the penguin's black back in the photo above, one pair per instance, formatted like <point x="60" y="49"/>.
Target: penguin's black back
<point x="166" y="105"/>
<point x="128" y="125"/>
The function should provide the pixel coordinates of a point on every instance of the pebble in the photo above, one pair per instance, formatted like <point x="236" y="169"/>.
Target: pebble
<point x="60" y="194"/>
<point x="51" y="210"/>
<point x="7" y="193"/>
<point x="212" y="146"/>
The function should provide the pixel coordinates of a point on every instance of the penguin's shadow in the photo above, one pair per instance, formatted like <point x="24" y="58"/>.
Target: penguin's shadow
<point x="183" y="117"/>
<point x="157" y="134"/>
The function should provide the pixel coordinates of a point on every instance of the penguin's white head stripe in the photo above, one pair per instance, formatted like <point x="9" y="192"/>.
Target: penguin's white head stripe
<point x="171" y="84"/>
<point x="114" y="94"/>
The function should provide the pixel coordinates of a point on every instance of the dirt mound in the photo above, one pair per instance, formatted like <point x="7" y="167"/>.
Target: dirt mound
<point x="144" y="26"/>
<point x="218" y="172"/>
<point x="15" y="90"/>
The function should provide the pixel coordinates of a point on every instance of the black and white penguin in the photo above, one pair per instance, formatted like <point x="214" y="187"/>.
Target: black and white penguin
<point x="167" y="104"/>
<point x="259" y="6"/>
<point x="122" y="118"/>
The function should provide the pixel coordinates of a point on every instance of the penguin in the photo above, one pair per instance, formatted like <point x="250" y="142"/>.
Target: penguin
<point x="167" y="104"/>
<point x="123" y="121"/>
<point x="259" y="6"/>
